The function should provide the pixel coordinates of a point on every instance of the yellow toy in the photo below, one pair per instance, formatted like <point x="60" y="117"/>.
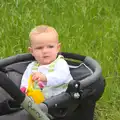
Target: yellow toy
<point x="34" y="91"/>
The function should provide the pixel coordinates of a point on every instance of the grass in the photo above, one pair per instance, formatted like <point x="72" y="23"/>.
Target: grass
<point x="87" y="27"/>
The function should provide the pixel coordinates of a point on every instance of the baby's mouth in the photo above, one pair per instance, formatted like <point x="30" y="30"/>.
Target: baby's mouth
<point x="45" y="56"/>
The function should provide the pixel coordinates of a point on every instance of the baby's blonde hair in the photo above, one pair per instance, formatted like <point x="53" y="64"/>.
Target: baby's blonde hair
<point x="41" y="29"/>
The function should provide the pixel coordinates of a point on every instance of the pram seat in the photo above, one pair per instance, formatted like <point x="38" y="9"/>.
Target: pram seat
<point x="69" y="104"/>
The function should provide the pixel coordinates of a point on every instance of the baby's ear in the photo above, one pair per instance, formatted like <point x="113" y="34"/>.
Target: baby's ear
<point x="30" y="49"/>
<point x="59" y="46"/>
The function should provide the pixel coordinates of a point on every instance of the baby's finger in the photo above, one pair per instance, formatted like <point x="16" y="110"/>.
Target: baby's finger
<point x="35" y="77"/>
<point x="39" y="79"/>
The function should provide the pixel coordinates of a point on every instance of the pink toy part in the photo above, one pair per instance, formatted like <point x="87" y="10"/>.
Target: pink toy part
<point x="41" y="84"/>
<point x="23" y="89"/>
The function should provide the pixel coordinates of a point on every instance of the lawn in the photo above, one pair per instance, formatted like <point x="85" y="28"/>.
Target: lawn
<point x="87" y="27"/>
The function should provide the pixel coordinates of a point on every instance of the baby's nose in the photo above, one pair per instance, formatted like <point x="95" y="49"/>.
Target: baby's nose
<point x="45" y="49"/>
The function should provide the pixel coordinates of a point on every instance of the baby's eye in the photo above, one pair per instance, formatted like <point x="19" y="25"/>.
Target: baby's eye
<point x="50" y="46"/>
<point x="39" y="47"/>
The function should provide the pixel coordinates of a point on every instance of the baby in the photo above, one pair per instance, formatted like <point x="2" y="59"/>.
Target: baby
<point x="50" y="68"/>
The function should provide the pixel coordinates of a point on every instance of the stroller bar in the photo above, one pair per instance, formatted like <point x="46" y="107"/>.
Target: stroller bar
<point x="26" y="57"/>
<point x="15" y="59"/>
<point x="96" y="72"/>
<point x="11" y="88"/>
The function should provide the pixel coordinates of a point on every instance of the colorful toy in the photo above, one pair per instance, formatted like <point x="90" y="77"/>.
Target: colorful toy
<point x="34" y="91"/>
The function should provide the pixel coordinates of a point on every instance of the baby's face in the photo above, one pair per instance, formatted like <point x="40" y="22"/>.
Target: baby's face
<point x="44" y="47"/>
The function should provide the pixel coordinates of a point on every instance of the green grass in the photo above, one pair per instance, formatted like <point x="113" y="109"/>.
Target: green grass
<point x="87" y="27"/>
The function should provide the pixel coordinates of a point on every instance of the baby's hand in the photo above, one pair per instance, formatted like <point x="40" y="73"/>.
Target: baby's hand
<point x="39" y="77"/>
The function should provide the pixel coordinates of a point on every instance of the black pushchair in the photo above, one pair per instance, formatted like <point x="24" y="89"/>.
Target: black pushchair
<point x="78" y="102"/>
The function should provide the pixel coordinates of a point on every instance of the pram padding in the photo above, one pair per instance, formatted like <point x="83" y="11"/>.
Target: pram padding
<point x="65" y="105"/>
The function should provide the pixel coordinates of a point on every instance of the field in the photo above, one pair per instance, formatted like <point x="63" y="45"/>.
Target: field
<point x="87" y="27"/>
